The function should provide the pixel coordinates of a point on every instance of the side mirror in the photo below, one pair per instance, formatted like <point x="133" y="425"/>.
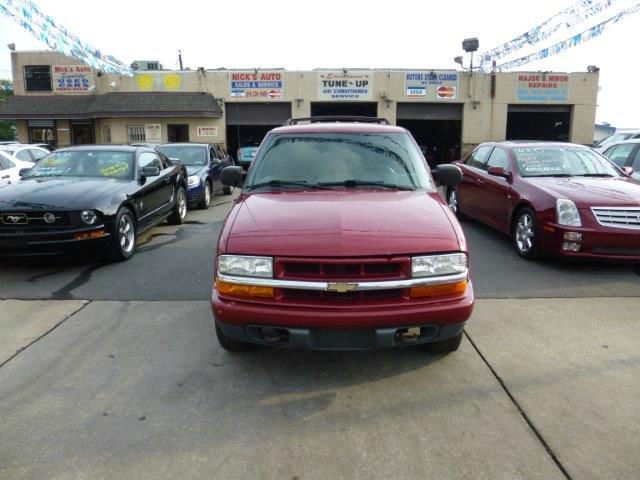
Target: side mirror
<point x="232" y="176"/>
<point x="499" y="172"/>
<point x="447" y="175"/>
<point x="23" y="171"/>
<point x="627" y="170"/>
<point x="149" y="172"/>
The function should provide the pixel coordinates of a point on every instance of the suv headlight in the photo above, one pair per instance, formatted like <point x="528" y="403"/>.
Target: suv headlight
<point x="567" y="213"/>
<point x="243" y="266"/>
<point x="89" y="217"/>
<point x="194" y="181"/>
<point x="435" y="265"/>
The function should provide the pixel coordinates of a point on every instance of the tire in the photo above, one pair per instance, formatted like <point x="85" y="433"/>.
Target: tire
<point x="453" y="200"/>
<point x="206" y="197"/>
<point x="227" y="190"/>
<point x="448" y="345"/>
<point x="525" y="234"/>
<point x="179" y="213"/>
<point x="124" y="236"/>
<point x="231" y="345"/>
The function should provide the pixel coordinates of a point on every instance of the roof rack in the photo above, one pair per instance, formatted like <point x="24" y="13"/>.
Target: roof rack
<point x="338" y="119"/>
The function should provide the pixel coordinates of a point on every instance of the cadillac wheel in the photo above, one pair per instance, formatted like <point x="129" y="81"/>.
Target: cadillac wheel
<point x="124" y="236"/>
<point x="525" y="234"/>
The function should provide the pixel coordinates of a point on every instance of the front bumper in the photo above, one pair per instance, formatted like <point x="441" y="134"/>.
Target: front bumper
<point x="597" y="243"/>
<point x="21" y="244"/>
<point x="195" y="194"/>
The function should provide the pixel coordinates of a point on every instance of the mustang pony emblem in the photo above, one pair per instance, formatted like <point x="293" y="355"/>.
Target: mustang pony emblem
<point x="342" y="287"/>
<point x="15" y="219"/>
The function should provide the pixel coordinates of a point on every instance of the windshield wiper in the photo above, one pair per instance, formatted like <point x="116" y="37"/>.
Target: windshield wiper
<point x="552" y="175"/>
<point x="595" y="175"/>
<point x="365" y="183"/>
<point x="284" y="183"/>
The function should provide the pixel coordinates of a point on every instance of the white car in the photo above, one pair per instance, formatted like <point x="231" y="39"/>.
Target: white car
<point x="24" y="152"/>
<point x="10" y="168"/>
<point x="625" y="154"/>
<point x="606" y="142"/>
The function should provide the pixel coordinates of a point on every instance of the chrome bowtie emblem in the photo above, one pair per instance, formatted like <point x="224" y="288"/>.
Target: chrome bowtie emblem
<point x="49" y="218"/>
<point x="342" y="287"/>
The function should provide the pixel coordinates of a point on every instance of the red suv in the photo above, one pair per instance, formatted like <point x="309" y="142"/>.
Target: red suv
<point x="340" y="240"/>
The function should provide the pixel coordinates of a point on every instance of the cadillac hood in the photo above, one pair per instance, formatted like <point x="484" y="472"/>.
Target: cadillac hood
<point x="592" y="191"/>
<point x="338" y="223"/>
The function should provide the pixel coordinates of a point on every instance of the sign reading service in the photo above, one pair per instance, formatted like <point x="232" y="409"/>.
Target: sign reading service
<point x="350" y="86"/>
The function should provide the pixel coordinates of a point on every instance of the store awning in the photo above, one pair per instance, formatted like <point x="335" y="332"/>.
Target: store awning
<point x="110" y="105"/>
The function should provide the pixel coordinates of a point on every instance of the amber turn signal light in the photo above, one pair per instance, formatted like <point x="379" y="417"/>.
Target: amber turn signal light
<point x="245" y="291"/>
<point x="85" y="235"/>
<point x="438" y="290"/>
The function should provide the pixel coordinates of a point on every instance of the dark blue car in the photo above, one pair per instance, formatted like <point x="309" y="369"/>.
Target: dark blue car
<point x="204" y="163"/>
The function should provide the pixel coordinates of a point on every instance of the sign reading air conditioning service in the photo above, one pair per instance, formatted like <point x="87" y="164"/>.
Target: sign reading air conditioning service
<point x="159" y="81"/>
<point x="433" y="85"/>
<point x="542" y="88"/>
<point x="261" y="85"/>
<point x="336" y="85"/>
<point x="71" y="78"/>
<point x="153" y="132"/>
<point x="207" y="131"/>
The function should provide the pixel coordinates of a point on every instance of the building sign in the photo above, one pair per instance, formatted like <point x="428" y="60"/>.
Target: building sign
<point x="159" y="81"/>
<point x="261" y="85"/>
<point x="350" y="86"/>
<point x="542" y="88"/>
<point x="207" y="131"/>
<point x="434" y="85"/>
<point x="71" y="78"/>
<point x="153" y="132"/>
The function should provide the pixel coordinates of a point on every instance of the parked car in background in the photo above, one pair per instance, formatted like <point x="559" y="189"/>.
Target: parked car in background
<point x="46" y="146"/>
<point x="616" y="137"/>
<point x="10" y="168"/>
<point x="96" y="198"/>
<point x="246" y="155"/>
<point x="553" y="199"/>
<point x="204" y="163"/>
<point x="340" y="240"/>
<point x="625" y="154"/>
<point x="24" y="152"/>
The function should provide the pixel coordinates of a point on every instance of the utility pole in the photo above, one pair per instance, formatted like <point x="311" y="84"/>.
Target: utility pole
<point x="180" y="59"/>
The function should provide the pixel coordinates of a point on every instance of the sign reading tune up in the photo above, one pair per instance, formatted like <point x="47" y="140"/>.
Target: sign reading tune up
<point x="432" y="85"/>
<point x="257" y="85"/>
<point x="345" y="86"/>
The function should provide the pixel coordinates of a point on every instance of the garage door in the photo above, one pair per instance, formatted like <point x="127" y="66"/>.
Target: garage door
<point x="539" y="122"/>
<point x="429" y="111"/>
<point x="257" y="113"/>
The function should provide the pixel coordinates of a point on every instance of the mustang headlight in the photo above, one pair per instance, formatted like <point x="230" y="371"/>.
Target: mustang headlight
<point x="194" y="181"/>
<point x="243" y="266"/>
<point x="89" y="217"/>
<point x="435" y="265"/>
<point x="567" y="213"/>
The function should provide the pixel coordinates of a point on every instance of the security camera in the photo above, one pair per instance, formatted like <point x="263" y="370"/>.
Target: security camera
<point x="11" y="46"/>
<point x="113" y="84"/>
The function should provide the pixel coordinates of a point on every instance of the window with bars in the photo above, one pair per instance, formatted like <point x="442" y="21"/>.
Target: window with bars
<point x="37" y="78"/>
<point x="135" y="133"/>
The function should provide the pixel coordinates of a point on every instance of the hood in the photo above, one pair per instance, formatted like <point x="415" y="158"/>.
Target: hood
<point x="590" y="191"/>
<point x="341" y="223"/>
<point x="195" y="169"/>
<point x="59" y="193"/>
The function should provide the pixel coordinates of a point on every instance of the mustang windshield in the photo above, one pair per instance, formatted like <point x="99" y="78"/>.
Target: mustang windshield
<point x="347" y="160"/>
<point x="187" y="155"/>
<point x="562" y="162"/>
<point x="84" y="163"/>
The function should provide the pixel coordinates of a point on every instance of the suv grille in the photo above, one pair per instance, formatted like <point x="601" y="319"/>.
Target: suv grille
<point x="625" y="217"/>
<point x="347" y="269"/>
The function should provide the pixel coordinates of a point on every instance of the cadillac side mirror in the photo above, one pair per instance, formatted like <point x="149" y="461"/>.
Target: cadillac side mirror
<point x="447" y="175"/>
<point x="23" y="171"/>
<point x="232" y="176"/>
<point x="149" y="172"/>
<point x="627" y="170"/>
<point x="499" y="172"/>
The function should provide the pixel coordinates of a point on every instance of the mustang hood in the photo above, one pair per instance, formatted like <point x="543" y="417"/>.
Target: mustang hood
<point x="592" y="191"/>
<point x="341" y="223"/>
<point x="59" y="193"/>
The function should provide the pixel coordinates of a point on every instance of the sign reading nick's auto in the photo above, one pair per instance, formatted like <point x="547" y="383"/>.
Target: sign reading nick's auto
<point x="260" y="85"/>
<point x="71" y="78"/>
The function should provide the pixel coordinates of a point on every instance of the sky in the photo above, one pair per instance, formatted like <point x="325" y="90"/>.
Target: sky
<point x="311" y="34"/>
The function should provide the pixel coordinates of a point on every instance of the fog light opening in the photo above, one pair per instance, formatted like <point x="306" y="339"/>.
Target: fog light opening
<point x="574" y="237"/>
<point x="570" y="247"/>
<point x="274" y="335"/>
<point x="408" y="335"/>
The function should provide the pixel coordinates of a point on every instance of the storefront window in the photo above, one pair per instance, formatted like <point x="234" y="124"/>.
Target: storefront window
<point x="37" y="78"/>
<point x="43" y="135"/>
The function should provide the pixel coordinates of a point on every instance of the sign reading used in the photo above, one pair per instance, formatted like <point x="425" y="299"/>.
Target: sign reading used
<point x="433" y="85"/>
<point x="345" y="86"/>
<point x="261" y="85"/>
<point x="540" y="87"/>
<point x="71" y="78"/>
<point x="207" y="131"/>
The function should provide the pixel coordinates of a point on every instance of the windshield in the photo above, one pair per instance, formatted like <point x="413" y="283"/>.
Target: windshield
<point x="353" y="159"/>
<point x="84" y="163"/>
<point x="614" y="137"/>
<point x="562" y="161"/>
<point x="187" y="155"/>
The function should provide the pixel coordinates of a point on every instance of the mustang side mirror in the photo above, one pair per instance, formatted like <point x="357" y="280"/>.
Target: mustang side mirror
<point x="149" y="172"/>
<point x="232" y="176"/>
<point x="23" y="171"/>
<point x="499" y="172"/>
<point x="447" y="175"/>
<point x="627" y="170"/>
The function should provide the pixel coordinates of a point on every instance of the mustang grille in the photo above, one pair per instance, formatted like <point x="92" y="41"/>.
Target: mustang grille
<point x="619" y="217"/>
<point x="31" y="220"/>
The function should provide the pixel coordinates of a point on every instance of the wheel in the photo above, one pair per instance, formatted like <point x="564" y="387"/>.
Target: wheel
<point x="206" y="197"/>
<point x="123" y="238"/>
<point x="230" y="344"/>
<point x="525" y="234"/>
<point x="453" y="200"/>
<point x="227" y="190"/>
<point x="179" y="213"/>
<point x="445" y="346"/>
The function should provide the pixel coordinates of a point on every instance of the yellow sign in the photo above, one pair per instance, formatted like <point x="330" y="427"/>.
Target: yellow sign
<point x="144" y="81"/>
<point x="172" y="81"/>
<point x="160" y="81"/>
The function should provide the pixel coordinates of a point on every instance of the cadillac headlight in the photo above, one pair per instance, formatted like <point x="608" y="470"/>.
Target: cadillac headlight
<point x="435" y="265"/>
<point x="243" y="266"/>
<point x="89" y="217"/>
<point x="194" y="181"/>
<point x="567" y="213"/>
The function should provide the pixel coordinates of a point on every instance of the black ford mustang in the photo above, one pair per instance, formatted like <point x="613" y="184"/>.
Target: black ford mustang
<point x="97" y="197"/>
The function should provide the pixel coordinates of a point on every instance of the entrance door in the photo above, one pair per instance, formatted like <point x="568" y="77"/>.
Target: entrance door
<point x="178" y="133"/>
<point x="82" y="133"/>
